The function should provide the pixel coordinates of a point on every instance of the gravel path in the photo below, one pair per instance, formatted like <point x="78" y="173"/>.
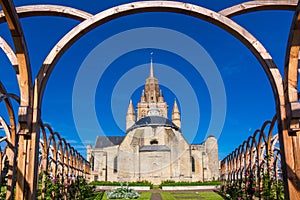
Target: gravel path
<point x="156" y="196"/>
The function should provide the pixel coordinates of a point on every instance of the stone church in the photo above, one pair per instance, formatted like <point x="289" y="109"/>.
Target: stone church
<point x="154" y="147"/>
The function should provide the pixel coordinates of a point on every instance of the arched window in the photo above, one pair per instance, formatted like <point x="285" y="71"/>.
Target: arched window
<point x="116" y="164"/>
<point x="193" y="163"/>
<point x="153" y="142"/>
<point x="143" y="113"/>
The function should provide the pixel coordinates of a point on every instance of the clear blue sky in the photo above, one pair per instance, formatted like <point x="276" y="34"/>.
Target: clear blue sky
<point x="249" y="99"/>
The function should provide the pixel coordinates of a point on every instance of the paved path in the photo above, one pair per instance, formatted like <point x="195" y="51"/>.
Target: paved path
<point x="156" y="196"/>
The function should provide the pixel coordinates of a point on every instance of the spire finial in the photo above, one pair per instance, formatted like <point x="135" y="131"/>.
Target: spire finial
<point x="130" y="108"/>
<point x="151" y="66"/>
<point x="175" y="107"/>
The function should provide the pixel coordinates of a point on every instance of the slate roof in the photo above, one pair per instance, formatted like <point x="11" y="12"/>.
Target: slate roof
<point x="153" y="121"/>
<point x="107" y="141"/>
<point x="154" y="148"/>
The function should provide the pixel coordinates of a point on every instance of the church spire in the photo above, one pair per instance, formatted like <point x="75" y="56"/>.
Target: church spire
<point x="130" y="116"/>
<point x="130" y="108"/>
<point x="151" y="67"/>
<point x="176" y="115"/>
<point x="151" y="95"/>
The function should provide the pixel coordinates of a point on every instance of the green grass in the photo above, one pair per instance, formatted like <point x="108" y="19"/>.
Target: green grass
<point x="144" y="196"/>
<point x="210" y="196"/>
<point x="176" y="196"/>
<point x="204" y="195"/>
<point x="167" y="196"/>
<point x="184" y="194"/>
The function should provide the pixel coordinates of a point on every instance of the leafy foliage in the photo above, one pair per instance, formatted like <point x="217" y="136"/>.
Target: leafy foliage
<point x="123" y="193"/>
<point x="108" y="183"/>
<point x="57" y="188"/>
<point x="183" y="183"/>
<point x="262" y="185"/>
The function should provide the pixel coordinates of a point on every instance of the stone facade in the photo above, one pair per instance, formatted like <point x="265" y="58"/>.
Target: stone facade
<point x="154" y="147"/>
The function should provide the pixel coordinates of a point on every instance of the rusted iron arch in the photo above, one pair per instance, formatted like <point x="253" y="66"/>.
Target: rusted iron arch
<point x="24" y="71"/>
<point x="49" y="10"/>
<point x="236" y="30"/>
<point x="253" y="6"/>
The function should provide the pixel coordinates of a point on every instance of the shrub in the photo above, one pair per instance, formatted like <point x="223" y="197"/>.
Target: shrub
<point x="108" y="183"/>
<point x="185" y="183"/>
<point x="123" y="193"/>
<point x="57" y="188"/>
<point x="250" y="187"/>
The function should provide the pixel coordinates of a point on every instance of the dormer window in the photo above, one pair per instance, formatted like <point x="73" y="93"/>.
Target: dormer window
<point x="152" y="142"/>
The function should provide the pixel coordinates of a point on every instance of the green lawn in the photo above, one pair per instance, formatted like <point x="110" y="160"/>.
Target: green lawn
<point x="186" y="195"/>
<point x="176" y="196"/>
<point x="210" y="196"/>
<point x="167" y="196"/>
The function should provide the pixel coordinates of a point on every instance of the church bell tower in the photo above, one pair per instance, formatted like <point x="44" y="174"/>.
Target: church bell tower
<point x="151" y="96"/>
